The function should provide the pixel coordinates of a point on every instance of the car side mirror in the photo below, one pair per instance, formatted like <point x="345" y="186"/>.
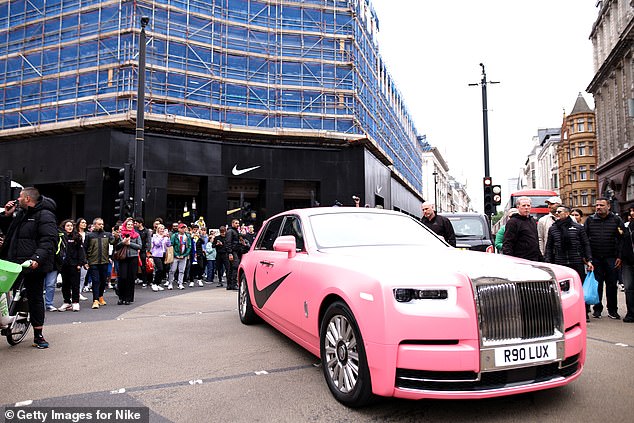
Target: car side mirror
<point x="286" y="243"/>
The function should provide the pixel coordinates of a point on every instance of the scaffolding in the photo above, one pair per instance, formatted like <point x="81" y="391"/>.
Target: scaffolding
<point x="311" y="66"/>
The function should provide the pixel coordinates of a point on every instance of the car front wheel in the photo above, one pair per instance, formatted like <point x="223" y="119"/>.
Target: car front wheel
<point x="245" y="308"/>
<point x="343" y="358"/>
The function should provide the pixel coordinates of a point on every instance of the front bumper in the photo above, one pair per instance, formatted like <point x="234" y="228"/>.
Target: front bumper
<point x="453" y="370"/>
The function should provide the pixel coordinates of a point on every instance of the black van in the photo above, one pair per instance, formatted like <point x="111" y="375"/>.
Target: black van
<point x="472" y="231"/>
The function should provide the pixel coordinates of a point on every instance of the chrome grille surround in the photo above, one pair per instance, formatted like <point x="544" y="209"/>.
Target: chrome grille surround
<point x="516" y="312"/>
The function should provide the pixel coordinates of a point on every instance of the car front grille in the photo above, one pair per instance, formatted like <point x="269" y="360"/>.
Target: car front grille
<point x="517" y="311"/>
<point x="471" y="381"/>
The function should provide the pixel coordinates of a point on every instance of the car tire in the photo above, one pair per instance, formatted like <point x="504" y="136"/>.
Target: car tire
<point x="245" y="308"/>
<point x="343" y="358"/>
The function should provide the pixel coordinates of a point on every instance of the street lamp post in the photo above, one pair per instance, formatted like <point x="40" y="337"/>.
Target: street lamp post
<point x="485" y="118"/>
<point x="139" y="193"/>
<point x="435" y="188"/>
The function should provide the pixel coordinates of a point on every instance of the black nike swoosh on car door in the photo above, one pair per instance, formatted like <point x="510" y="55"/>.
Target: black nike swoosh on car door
<point x="263" y="295"/>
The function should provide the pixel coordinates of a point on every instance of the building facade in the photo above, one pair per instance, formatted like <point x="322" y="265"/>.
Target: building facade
<point x="612" y="38"/>
<point x="577" y="158"/>
<point x="547" y="162"/>
<point x="436" y="179"/>
<point x="262" y="104"/>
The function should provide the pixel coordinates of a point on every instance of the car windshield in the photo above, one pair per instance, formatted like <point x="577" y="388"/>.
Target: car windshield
<point x="370" y="229"/>
<point x="467" y="227"/>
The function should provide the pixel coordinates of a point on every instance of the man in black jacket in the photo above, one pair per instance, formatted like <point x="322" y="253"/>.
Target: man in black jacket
<point x="520" y="236"/>
<point x="31" y="230"/>
<point x="605" y="232"/>
<point x="222" y="259"/>
<point x="234" y="253"/>
<point x="439" y="224"/>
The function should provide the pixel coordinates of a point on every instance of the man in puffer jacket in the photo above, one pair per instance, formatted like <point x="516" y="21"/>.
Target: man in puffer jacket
<point x="605" y="232"/>
<point x="31" y="230"/>
<point x="567" y="244"/>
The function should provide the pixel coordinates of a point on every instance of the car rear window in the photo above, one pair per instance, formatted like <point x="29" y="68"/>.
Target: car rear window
<point x="466" y="226"/>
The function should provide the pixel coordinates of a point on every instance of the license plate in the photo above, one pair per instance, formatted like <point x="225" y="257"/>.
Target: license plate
<point x="525" y="354"/>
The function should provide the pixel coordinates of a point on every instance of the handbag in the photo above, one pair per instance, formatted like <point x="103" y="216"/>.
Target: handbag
<point x="121" y="253"/>
<point x="169" y="255"/>
<point x="591" y="289"/>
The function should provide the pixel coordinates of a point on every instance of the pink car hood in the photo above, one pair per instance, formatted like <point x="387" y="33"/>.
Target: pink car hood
<point x="410" y="263"/>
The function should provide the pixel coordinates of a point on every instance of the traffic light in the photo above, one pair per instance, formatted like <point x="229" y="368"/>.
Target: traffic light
<point x="497" y="194"/>
<point x="122" y="207"/>
<point x="489" y="204"/>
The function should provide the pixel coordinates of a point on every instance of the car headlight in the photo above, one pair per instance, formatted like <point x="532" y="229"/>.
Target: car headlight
<point x="404" y="295"/>
<point x="564" y="285"/>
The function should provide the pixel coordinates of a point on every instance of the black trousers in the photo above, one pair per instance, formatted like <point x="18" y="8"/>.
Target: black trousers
<point x="222" y="262"/>
<point x="34" y="283"/>
<point x="127" y="276"/>
<point x="159" y="270"/>
<point x="70" y="283"/>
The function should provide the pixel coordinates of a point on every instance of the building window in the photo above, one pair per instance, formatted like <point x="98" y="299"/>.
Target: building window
<point x="568" y="154"/>
<point x="569" y="178"/>
<point x="573" y="149"/>
<point x="584" y="197"/>
<point x="590" y="125"/>
<point x="555" y="181"/>
<point x="592" y="174"/>
<point x="582" y="148"/>
<point x="574" y="174"/>
<point x="583" y="175"/>
<point x="580" y="125"/>
<point x="629" y="193"/>
<point x="590" y="149"/>
<point x="593" y="196"/>
<point x="575" y="201"/>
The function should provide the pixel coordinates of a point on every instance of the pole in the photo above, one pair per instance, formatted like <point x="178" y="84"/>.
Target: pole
<point x="485" y="119"/>
<point x="485" y="122"/>
<point x="139" y="195"/>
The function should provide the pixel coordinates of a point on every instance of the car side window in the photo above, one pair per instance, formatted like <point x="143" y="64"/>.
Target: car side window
<point x="292" y="226"/>
<point x="269" y="235"/>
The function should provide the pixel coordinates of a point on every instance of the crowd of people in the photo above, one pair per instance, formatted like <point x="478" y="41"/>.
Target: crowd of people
<point x="603" y="244"/>
<point x="88" y="258"/>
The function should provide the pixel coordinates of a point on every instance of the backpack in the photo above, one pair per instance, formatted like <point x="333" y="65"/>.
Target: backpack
<point x="60" y="251"/>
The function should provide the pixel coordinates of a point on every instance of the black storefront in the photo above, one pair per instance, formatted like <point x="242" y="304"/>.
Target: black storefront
<point x="225" y="177"/>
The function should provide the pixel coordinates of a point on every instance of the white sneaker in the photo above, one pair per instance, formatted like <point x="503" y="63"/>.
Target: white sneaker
<point x="159" y="288"/>
<point x="75" y="306"/>
<point x="166" y="284"/>
<point x="191" y="284"/>
<point x="51" y="308"/>
<point x="154" y="287"/>
<point x="6" y="321"/>
<point x="200" y="283"/>
<point x="82" y="298"/>
<point x="170" y="287"/>
<point x="64" y="307"/>
<point x="180" y="286"/>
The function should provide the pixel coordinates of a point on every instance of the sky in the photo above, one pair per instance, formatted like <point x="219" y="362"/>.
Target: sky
<point x="539" y="51"/>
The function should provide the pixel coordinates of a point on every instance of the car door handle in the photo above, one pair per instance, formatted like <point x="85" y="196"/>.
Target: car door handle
<point x="267" y="263"/>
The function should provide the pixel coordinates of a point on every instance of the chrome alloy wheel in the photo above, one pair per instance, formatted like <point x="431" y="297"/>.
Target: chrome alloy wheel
<point x="242" y="298"/>
<point x="341" y="354"/>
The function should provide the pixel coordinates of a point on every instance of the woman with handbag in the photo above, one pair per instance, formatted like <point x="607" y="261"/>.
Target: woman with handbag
<point x="160" y="244"/>
<point x="568" y="245"/>
<point x="126" y="252"/>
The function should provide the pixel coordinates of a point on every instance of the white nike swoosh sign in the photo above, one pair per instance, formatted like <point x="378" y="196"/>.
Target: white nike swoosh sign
<point x="236" y="172"/>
